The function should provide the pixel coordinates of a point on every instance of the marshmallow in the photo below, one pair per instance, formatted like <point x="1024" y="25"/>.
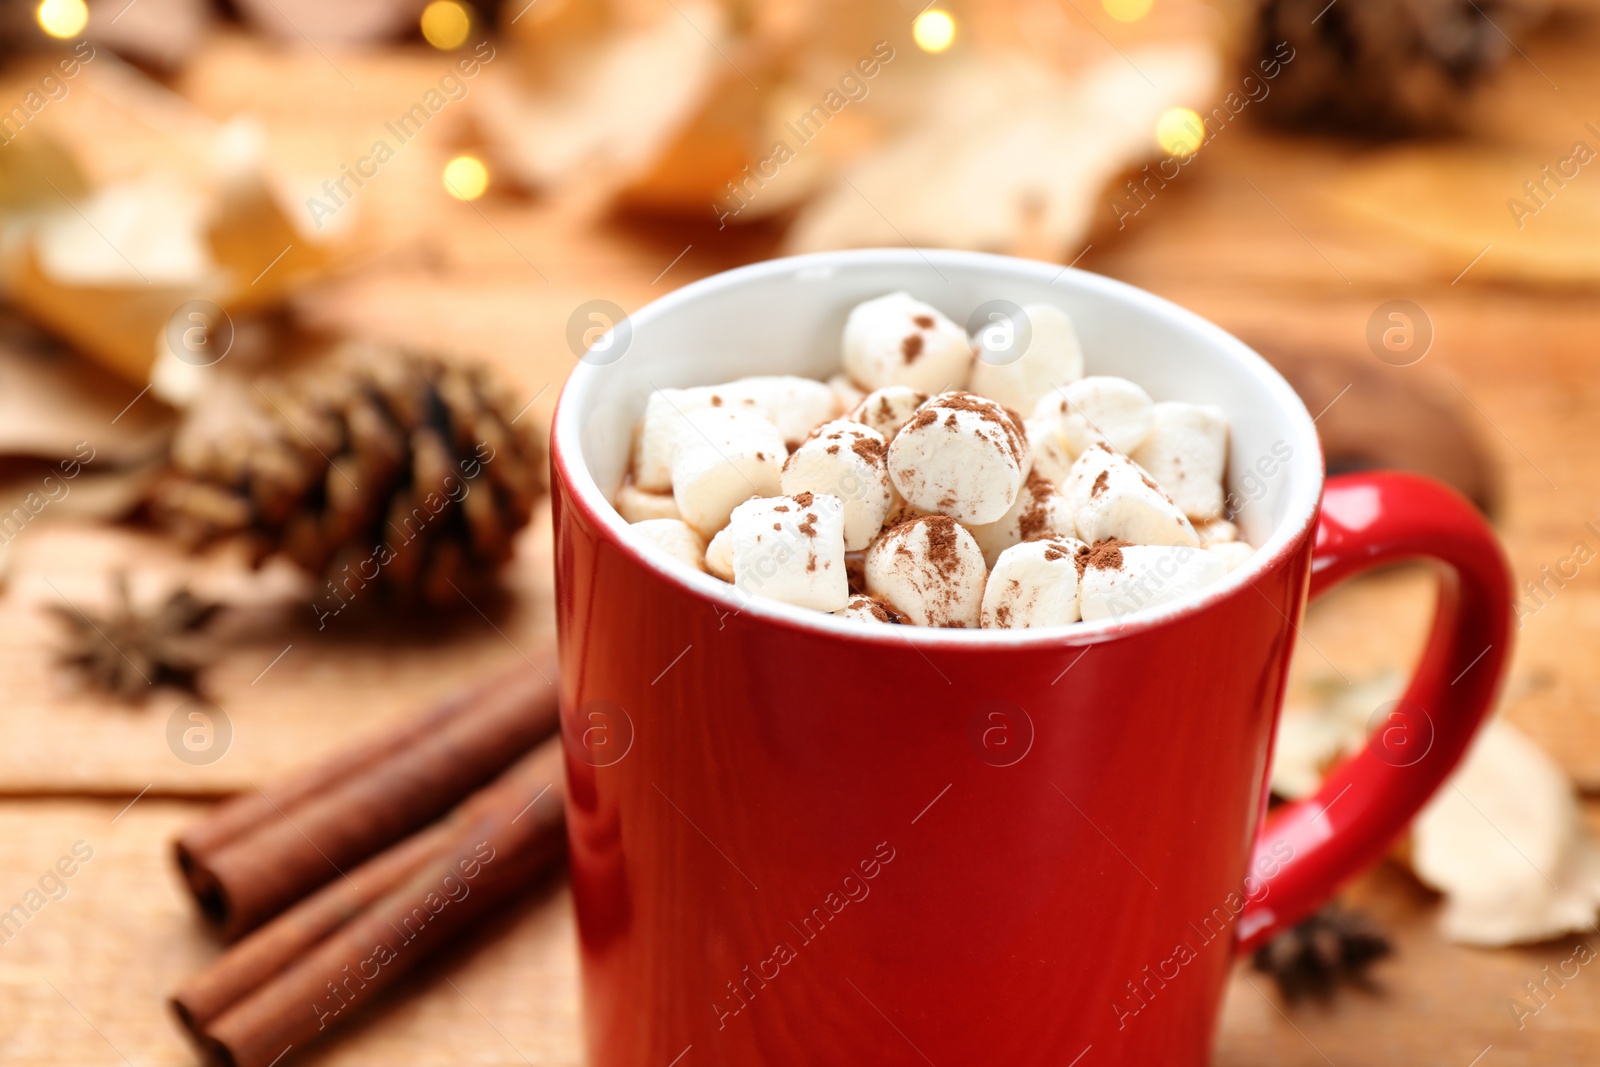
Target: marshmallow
<point x="888" y="409"/>
<point x="1234" y="553"/>
<point x="931" y="570"/>
<point x="794" y="405"/>
<point x="845" y="392"/>
<point x="719" y="555"/>
<point x="1051" y="457"/>
<point x="1119" y="579"/>
<point x="960" y="455"/>
<point x="672" y="536"/>
<point x="1052" y="358"/>
<point x="849" y="461"/>
<point x="1185" y="453"/>
<point x="900" y="511"/>
<point x="636" y="505"/>
<point x="1216" y="532"/>
<point x="1033" y="584"/>
<point x="1038" y="513"/>
<point x="791" y="548"/>
<point x="1111" y="497"/>
<point x="656" y="437"/>
<point x="899" y="340"/>
<point x="865" y="609"/>
<point x="723" y="455"/>
<point x="1101" y="408"/>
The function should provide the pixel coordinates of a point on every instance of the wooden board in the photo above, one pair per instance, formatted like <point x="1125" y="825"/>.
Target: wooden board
<point x="1260" y="234"/>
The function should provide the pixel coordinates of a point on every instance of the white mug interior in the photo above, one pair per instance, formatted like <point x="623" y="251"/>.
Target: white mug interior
<point x="786" y="316"/>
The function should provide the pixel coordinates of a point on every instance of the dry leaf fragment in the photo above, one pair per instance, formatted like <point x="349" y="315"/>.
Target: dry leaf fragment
<point x="606" y="111"/>
<point x="1312" y="739"/>
<point x="1009" y="154"/>
<point x="1505" y="842"/>
<point x="129" y="650"/>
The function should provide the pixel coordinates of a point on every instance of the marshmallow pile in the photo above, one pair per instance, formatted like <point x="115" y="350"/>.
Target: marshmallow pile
<point x="908" y="489"/>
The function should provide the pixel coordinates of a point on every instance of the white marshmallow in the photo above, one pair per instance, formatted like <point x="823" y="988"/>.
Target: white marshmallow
<point x="1114" y="410"/>
<point x="723" y="455"/>
<point x="719" y="555"/>
<point x="1186" y="452"/>
<point x="637" y="505"/>
<point x="1051" y="457"/>
<point x="791" y="548"/>
<point x="1033" y="584"/>
<point x="1121" y="579"/>
<point x="793" y="404"/>
<point x="845" y="392"/>
<point x="900" y="511"/>
<point x="656" y="437"/>
<point x="1216" y="532"/>
<point x="1234" y="553"/>
<point x="899" y="340"/>
<point x="1052" y="358"/>
<point x="1039" y="513"/>
<point x="931" y="570"/>
<point x="888" y="409"/>
<point x="1111" y="497"/>
<point x="865" y="609"/>
<point x="960" y="455"/>
<point x="674" y="537"/>
<point x="849" y="461"/>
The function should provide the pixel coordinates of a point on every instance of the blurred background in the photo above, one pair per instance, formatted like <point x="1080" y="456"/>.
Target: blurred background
<point x="265" y="265"/>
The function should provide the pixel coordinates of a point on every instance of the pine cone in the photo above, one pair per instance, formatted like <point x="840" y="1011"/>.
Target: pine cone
<point x="392" y="469"/>
<point x="1386" y="67"/>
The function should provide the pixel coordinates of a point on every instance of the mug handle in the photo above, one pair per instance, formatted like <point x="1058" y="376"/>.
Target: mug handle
<point x="1307" y="849"/>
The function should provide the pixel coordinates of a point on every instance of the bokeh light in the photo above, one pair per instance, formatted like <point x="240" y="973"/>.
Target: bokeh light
<point x="1127" y="10"/>
<point x="446" y="23"/>
<point x="934" y="30"/>
<point x="466" y="178"/>
<point x="62" y="18"/>
<point x="1180" y="131"/>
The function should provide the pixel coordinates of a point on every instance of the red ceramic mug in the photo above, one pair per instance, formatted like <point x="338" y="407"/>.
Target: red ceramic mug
<point x="799" y="840"/>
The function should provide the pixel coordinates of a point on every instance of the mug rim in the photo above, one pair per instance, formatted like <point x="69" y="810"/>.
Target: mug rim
<point x="1304" y="497"/>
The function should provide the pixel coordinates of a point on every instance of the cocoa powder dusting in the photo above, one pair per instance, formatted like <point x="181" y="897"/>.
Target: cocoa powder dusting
<point x="809" y="527"/>
<point x="911" y="347"/>
<point x="990" y="412"/>
<point x="880" y="610"/>
<point x="870" y="449"/>
<point x="1106" y="554"/>
<point x="925" y="416"/>
<point x="943" y="549"/>
<point x="1099" y="485"/>
<point x="924" y="321"/>
<point x="1035" y="517"/>
<point x="802" y="500"/>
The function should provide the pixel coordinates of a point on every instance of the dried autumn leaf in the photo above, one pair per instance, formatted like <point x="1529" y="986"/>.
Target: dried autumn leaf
<point x="1504" y="841"/>
<point x="607" y="110"/>
<point x="1311" y="739"/>
<point x="1009" y="154"/>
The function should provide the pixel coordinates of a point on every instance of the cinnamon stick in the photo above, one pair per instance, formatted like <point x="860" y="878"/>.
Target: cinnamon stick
<point x="268" y="849"/>
<point x="303" y="974"/>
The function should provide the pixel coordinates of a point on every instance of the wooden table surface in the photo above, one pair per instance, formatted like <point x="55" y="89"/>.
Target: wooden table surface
<point x="1278" y="238"/>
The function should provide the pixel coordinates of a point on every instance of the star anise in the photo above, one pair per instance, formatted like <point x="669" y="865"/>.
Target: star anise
<point x="1334" y="947"/>
<point x="129" y="650"/>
